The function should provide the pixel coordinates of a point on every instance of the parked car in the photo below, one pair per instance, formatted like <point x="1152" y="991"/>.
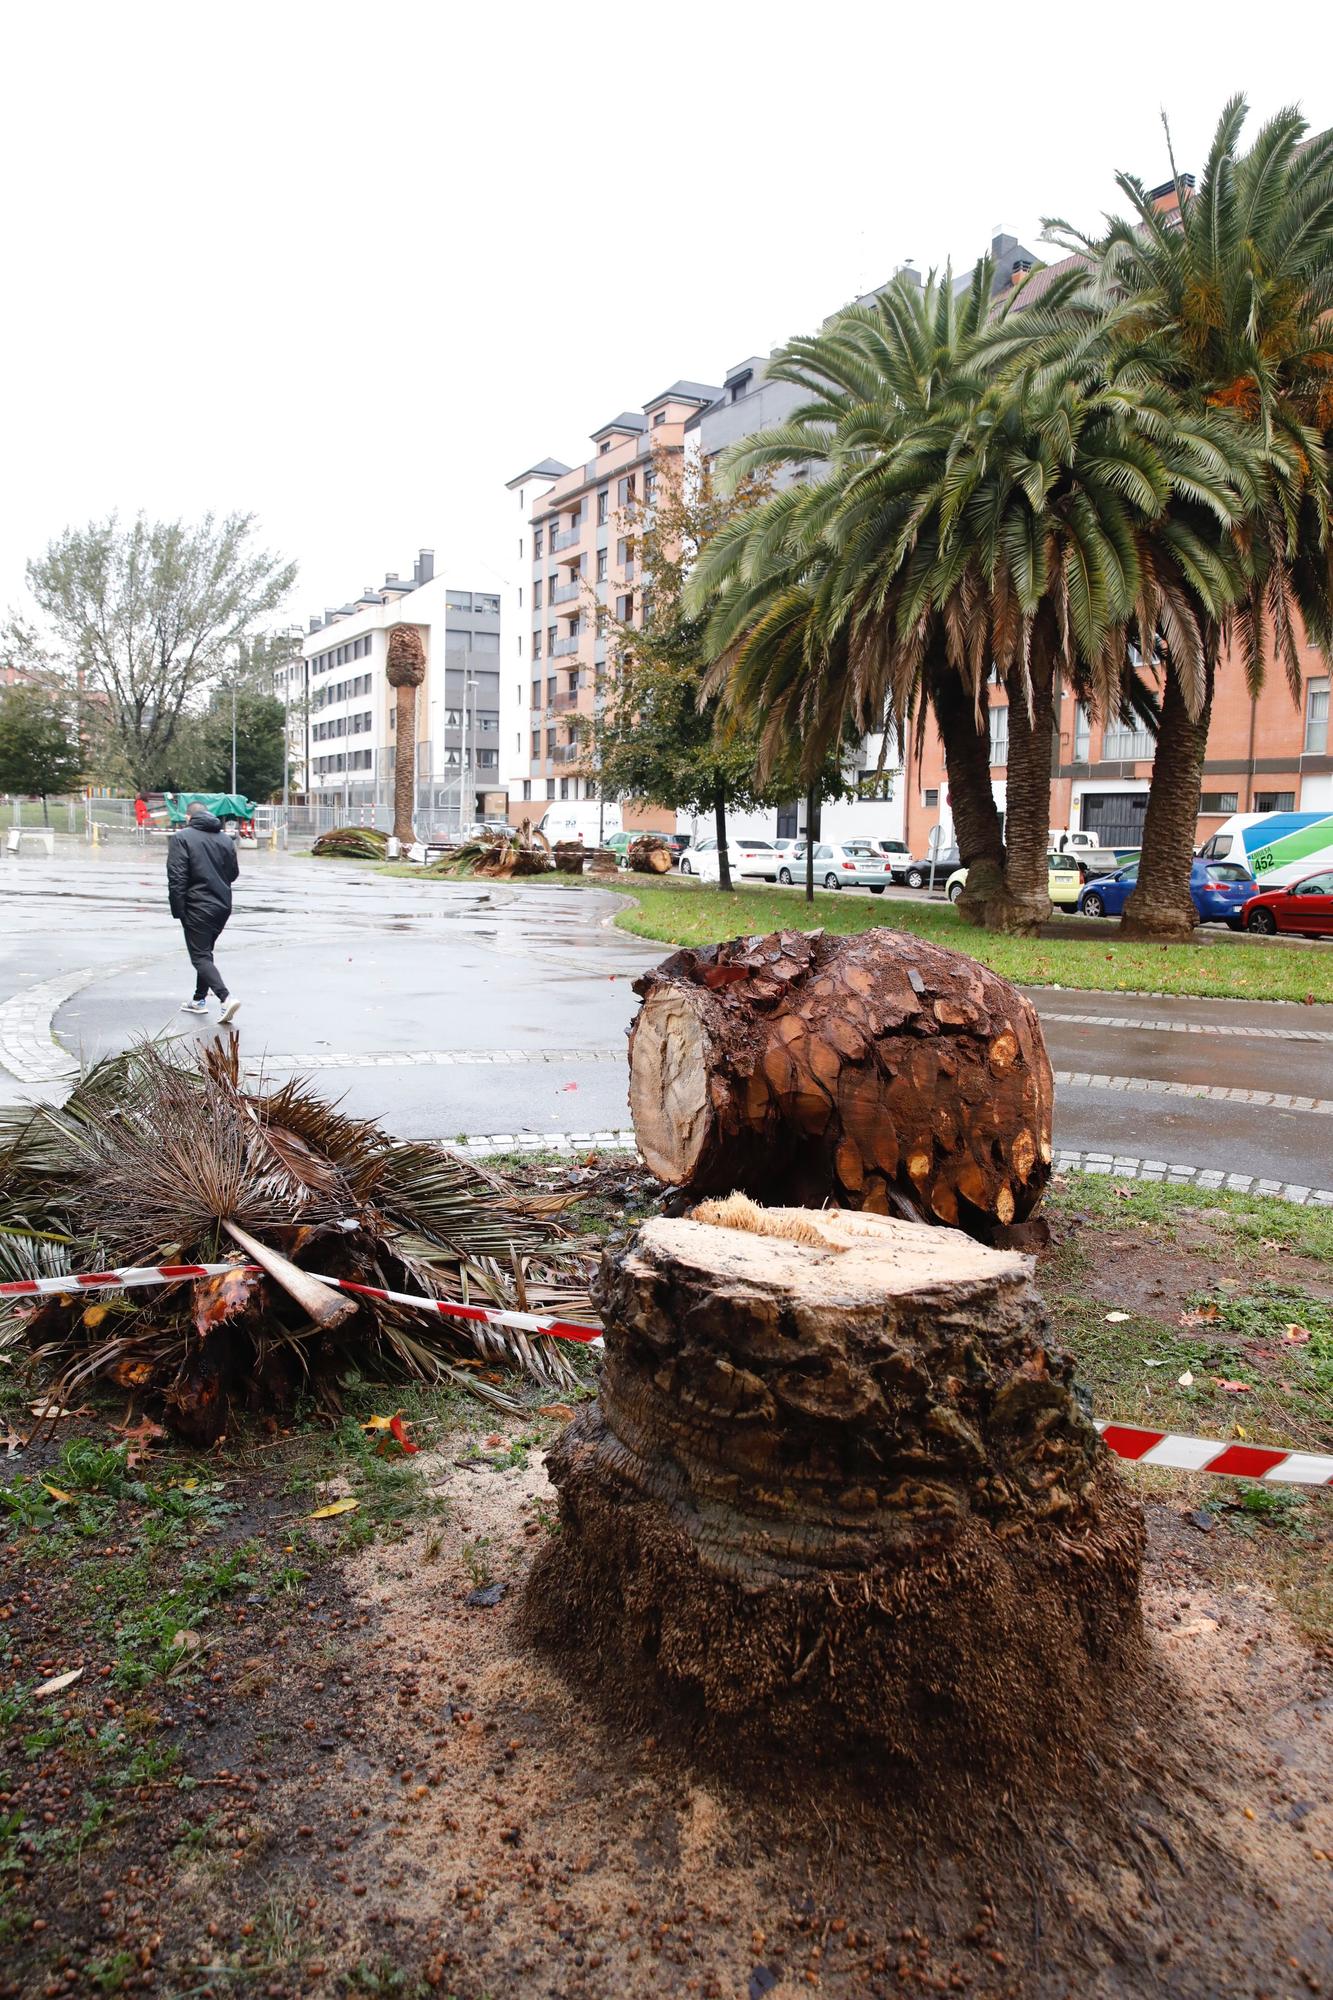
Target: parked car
<point x="744" y="857"/>
<point x="1219" y="890"/>
<point x="1276" y="848"/>
<point x="917" y="873"/>
<point x="677" y="842"/>
<point x="1064" y="881"/>
<point x="845" y="864"/>
<point x="589" y="820"/>
<point x="1304" y="907"/>
<point x="898" y="855"/>
<point x="1094" y="858"/>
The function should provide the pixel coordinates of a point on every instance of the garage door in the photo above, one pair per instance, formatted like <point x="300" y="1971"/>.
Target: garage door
<point x="1115" y="817"/>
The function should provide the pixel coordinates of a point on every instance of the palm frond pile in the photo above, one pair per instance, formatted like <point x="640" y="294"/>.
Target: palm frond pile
<point x="352" y="843"/>
<point x="499" y="857"/>
<point x="150" y="1158"/>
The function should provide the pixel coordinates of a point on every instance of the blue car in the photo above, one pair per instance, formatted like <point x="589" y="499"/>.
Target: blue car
<point x="1220" y="891"/>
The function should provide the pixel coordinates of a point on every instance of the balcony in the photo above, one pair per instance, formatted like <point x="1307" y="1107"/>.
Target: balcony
<point x="569" y="539"/>
<point x="566" y="593"/>
<point x="566" y="704"/>
<point x="567" y="753"/>
<point x="564" y="649"/>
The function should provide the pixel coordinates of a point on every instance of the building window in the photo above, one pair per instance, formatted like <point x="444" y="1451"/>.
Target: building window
<point x="520" y="595"/>
<point x="1274" y="802"/>
<point x="659" y="417"/>
<point x="999" y="735"/>
<point x="601" y="565"/>
<point x="536" y="746"/>
<point x="552" y="634"/>
<point x="649" y="484"/>
<point x="625" y="609"/>
<point x="1127" y="743"/>
<point x="564" y="788"/>
<point x="625" y="491"/>
<point x="1316" y="718"/>
<point x="930" y="798"/>
<point x="603" y="502"/>
<point x="520" y="645"/>
<point x="536" y="645"/>
<point x="536" y="544"/>
<point x="740" y="387"/>
<point x="1219" y="802"/>
<point x="604" y="447"/>
<point x="527" y="788"/>
<point x="537" y="595"/>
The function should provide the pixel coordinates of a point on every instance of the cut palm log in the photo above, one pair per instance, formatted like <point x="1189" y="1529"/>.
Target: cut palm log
<point x="649" y="855"/>
<point x="323" y="1305"/>
<point x="568" y="856"/>
<point x="878" y="1071"/>
<point x="837" y="1490"/>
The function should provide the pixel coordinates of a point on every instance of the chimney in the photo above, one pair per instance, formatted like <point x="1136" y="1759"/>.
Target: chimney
<point x="314" y="624"/>
<point x="1021" y="267"/>
<point x="328" y="615"/>
<point x="391" y="580"/>
<point x="425" y="565"/>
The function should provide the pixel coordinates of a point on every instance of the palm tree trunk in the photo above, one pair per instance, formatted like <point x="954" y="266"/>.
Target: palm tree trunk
<point x="1025" y="903"/>
<point x="972" y="801"/>
<point x="1161" y="905"/>
<point x="720" y="823"/>
<point x="811" y="836"/>
<point x="405" y="766"/>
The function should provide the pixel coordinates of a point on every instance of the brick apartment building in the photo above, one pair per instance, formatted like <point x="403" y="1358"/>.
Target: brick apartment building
<point x="580" y="567"/>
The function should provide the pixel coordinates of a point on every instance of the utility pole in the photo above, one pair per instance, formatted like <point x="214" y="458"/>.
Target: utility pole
<point x="472" y="734"/>
<point x="233" y="731"/>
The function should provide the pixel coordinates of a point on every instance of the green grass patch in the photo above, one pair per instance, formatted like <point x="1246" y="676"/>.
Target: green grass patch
<point x="1254" y="1224"/>
<point x="674" y="912"/>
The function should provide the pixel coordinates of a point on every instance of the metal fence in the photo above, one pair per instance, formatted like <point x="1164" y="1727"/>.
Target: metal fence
<point x="112" y="819"/>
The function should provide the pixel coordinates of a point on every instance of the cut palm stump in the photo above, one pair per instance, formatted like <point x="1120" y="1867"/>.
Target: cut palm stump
<point x="836" y="1493"/>
<point x="649" y="855"/>
<point x="878" y="1071"/>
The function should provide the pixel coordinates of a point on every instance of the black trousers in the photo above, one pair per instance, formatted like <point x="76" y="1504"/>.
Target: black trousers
<point x="202" y="931"/>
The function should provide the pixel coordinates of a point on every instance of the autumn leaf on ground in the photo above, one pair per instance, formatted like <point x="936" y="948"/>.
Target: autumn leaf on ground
<point x="58" y="1493"/>
<point x="347" y="1506"/>
<point x="128" y="1374"/>
<point x="1185" y="1381"/>
<point x="1295" y="1335"/>
<point x="139" y="1439"/>
<point x="1114" y="1319"/>
<point x="399" y="1429"/>
<point x="60" y="1681"/>
<point x="94" y="1315"/>
<point x="560" y="1410"/>
<point x="222" y="1298"/>
<point x="11" y="1443"/>
<point x="378" y="1424"/>
<point x="53" y="1413"/>
<point x="1200" y="1315"/>
<point x="1232" y="1388"/>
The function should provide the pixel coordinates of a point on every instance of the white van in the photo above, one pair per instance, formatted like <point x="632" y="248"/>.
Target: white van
<point x="581" y="819"/>
<point x="1276" y="848"/>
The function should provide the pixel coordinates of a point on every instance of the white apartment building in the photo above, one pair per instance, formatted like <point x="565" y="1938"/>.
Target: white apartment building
<point x="344" y="713"/>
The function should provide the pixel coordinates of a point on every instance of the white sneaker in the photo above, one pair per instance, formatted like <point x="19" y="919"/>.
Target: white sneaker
<point x="229" y="1012"/>
<point x="194" y="1007"/>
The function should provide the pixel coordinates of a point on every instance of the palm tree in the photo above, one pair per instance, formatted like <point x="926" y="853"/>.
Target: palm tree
<point x="405" y="670"/>
<point x="986" y="508"/>
<point x="1226" y="303"/>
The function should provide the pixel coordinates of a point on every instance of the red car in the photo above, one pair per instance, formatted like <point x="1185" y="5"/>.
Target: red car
<point x="1305" y="907"/>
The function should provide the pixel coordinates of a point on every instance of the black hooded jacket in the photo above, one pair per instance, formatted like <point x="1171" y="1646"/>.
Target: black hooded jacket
<point x="202" y="864"/>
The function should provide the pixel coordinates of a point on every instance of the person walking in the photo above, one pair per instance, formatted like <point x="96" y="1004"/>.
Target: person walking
<point x="202" y="864"/>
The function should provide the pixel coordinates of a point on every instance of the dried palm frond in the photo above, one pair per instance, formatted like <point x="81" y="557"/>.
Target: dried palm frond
<point x="153" y="1155"/>
<point x="352" y="843"/>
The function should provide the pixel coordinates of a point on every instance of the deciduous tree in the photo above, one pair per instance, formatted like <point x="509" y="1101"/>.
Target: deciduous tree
<point x="39" y="747"/>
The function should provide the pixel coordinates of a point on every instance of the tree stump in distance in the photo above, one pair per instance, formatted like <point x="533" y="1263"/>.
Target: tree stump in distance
<point x="879" y="1071"/>
<point x="837" y="1494"/>
<point x="649" y="855"/>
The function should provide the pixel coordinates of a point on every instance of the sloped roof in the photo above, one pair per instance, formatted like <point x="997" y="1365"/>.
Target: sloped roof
<point x="545" y="468"/>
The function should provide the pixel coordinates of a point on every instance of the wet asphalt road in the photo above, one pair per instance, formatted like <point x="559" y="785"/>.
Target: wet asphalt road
<point x="377" y="987"/>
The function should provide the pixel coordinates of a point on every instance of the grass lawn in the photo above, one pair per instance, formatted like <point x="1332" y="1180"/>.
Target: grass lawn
<point x="679" y="912"/>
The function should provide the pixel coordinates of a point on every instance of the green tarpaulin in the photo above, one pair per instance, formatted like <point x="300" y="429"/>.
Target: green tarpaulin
<point x="226" y="805"/>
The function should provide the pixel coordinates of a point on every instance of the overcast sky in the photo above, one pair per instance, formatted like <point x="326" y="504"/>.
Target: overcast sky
<point x="352" y="267"/>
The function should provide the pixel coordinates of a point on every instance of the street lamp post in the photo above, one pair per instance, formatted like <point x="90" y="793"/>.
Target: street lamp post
<point x="233" y="735"/>
<point x="471" y="685"/>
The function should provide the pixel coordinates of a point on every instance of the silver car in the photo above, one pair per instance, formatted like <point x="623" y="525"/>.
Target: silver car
<point x="845" y="864"/>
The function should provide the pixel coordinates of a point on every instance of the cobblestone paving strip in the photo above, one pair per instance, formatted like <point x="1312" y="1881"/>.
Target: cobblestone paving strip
<point x="441" y="1058"/>
<point x="28" y="1048"/>
<point x="1172" y="1027"/>
<point x="1215" y="1093"/>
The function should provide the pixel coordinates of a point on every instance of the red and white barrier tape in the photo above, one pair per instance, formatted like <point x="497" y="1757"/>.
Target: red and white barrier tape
<point x="1236" y="1461"/>
<point x="134" y="1275"/>
<point x="1128" y="1441"/>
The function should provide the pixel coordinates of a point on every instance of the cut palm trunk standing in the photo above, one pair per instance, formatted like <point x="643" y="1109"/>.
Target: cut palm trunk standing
<point x="405" y="670"/>
<point x="976" y="819"/>
<point x="877" y="1071"/>
<point x="837" y="1495"/>
<point x="153" y="1160"/>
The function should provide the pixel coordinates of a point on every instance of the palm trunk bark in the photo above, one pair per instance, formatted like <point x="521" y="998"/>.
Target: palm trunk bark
<point x="1026" y="905"/>
<point x="1161" y="906"/>
<point x="720" y="824"/>
<point x="811" y="836"/>
<point x="972" y="801"/>
<point x="405" y="766"/>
